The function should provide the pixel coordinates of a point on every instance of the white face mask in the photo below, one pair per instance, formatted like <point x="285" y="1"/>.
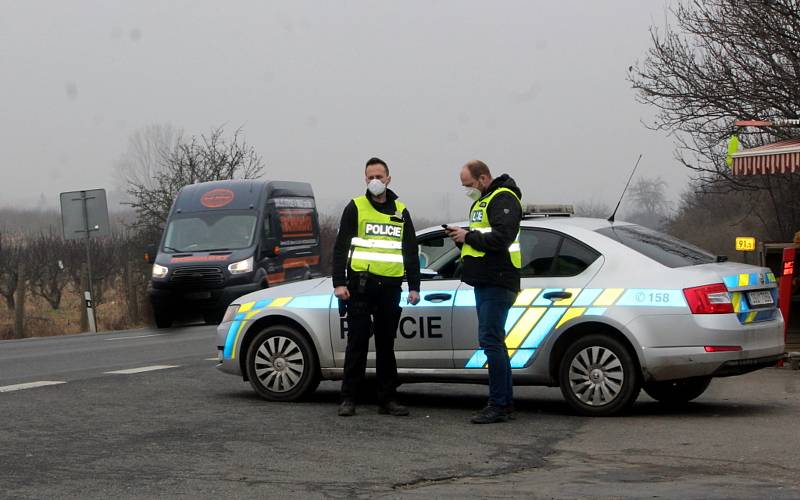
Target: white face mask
<point x="472" y="193"/>
<point x="376" y="187"/>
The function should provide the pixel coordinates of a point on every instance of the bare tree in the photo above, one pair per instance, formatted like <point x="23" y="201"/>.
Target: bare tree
<point x="11" y="254"/>
<point x="648" y="203"/>
<point x="328" y="227"/>
<point x="713" y="220"/>
<point x="144" y="157"/>
<point x="198" y="159"/>
<point x="723" y="60"/>
<point x="649" y="194"/>
<point x="47" y="276"/>
<point x="107" y="264"/>
<point x="592" y="208"/>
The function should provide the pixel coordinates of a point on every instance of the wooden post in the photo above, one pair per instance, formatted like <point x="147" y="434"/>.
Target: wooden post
<point x="19" y="303"/>
<point x="84" y="286"/>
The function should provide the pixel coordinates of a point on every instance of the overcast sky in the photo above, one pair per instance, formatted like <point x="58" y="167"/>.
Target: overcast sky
<point x="534" y="88"/>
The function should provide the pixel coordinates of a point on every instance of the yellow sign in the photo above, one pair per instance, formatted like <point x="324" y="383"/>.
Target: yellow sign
<point x="745" y="244"/>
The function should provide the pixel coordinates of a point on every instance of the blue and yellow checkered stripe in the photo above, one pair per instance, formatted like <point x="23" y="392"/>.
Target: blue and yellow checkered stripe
<point x="744" y="313"/>
<point x="533" y="317"/>
<point x="249" y="310"/>
<point x="751" y="279"/>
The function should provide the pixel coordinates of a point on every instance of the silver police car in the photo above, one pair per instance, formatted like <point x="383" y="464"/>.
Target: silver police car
<point x="606" y="309"/>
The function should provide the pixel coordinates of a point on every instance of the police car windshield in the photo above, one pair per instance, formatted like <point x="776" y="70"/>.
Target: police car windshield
<point x="209" y="231"/>
<point x="660" y="247"/>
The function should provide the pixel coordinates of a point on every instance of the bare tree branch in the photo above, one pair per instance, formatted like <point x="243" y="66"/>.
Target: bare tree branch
<point x="724" y="60"/>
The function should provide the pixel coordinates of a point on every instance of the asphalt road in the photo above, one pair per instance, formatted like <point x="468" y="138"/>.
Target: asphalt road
<point x="105" y="428"/>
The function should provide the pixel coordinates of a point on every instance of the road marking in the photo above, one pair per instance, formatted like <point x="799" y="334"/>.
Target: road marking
<point x="30" y="385"/>
<point x="136" y="337"/>
<point x="142" y="369"/>
<point x="212" y="359"/>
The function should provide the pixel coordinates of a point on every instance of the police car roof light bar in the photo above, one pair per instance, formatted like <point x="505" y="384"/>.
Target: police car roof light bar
<point x="548" y="210"/>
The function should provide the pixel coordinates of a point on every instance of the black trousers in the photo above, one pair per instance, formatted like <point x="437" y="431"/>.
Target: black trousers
<point x="375" y="310"/>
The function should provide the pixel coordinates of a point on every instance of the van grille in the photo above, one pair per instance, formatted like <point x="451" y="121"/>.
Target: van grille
<point x="197" y="276"/>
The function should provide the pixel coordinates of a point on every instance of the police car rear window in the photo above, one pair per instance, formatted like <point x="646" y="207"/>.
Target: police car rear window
<point x="660" y="247"/>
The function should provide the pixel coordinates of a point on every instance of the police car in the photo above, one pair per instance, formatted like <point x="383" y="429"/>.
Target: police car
<point x="606" y="309"/>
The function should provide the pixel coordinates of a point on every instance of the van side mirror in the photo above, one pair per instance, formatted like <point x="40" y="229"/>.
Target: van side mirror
<point x="150" y="252"/>
<point x="270" y="247"/>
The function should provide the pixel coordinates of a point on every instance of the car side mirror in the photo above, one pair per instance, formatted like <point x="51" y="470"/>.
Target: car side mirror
<point x="428" y="273"/>
<point x="150" y="253"/>
<point x="270" y="247"/>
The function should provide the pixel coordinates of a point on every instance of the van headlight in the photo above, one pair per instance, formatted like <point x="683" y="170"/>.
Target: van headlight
<point x="230" y="313"/>
<point x="159" y="271"/>
<point x="243" y="266"/>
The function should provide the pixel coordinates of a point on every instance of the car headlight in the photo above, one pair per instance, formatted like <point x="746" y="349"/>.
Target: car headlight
<point x="159" y="271"/>
<point x="230" y="313"/>
<point x="243" y="266"/>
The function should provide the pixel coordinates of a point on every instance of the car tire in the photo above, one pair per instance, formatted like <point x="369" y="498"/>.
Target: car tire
<point x="598" y="376"/>
<point x="282" y="364"/>
<point x="163" y="319"/>
<point x="676" y="392"/>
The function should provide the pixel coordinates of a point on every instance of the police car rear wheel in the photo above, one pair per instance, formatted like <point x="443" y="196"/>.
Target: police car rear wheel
<point x="677" y="391"/>
<point x="281" y="365"/>
<point x="598" y="376"/>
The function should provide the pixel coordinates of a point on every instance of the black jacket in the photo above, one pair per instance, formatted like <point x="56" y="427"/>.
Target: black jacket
<point x="348" y="228"/>
<point x="505" y="214"/>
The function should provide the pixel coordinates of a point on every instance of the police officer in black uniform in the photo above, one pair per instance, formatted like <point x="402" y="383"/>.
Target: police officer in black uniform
<point x="375" y="247"/>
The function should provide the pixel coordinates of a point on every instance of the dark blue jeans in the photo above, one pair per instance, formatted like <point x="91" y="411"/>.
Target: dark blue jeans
<point x="493" y="303"/>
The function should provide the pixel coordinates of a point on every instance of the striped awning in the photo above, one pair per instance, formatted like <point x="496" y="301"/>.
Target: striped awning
<point x="778" y="158"/>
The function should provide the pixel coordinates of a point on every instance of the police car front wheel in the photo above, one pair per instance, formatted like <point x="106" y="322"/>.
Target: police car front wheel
<point x="281" y="365"/>
<point x="598" y="376"/>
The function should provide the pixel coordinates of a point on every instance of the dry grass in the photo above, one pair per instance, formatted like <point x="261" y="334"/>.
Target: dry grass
<point x="43" y="321"/>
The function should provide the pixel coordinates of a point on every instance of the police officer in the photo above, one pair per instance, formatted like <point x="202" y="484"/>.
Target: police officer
<point x="491" y="258"/>
<point x="375" y="247"/>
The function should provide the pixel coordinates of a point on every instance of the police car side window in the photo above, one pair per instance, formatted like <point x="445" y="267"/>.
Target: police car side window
<point x="573" y="258"/>
<point x="539" y="250"/>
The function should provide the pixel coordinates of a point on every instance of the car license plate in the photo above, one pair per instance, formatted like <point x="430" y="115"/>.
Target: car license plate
<point x="760" y="298"/>
<point x="198" y="295"/>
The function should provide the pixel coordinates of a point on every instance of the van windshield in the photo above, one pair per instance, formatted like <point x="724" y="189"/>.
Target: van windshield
<point x="209" y="231"/>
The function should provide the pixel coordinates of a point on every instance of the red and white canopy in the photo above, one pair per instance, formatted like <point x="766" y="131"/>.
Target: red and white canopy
<point x="778" y="158"/>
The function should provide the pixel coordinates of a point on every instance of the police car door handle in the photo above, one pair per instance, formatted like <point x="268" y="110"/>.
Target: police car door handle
<point x="557" y="295"/>
<point x="438" y="297"/>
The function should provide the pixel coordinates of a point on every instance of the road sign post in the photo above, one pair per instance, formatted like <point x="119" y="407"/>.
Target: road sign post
<point x="745" y="244"/>
<point x="84" y="215"/>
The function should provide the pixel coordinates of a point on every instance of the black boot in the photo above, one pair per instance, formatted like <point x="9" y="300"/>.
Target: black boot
<point x="490" y="415"/>
<point x="392" y="408"/>
<point x="347" y="408"/>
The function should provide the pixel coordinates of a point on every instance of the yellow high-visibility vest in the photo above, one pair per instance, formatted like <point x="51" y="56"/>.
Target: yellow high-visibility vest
<point x="479" y="221"/>
<point x="378" y="245"/>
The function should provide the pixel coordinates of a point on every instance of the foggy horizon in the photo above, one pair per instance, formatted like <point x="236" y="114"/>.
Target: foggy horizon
<point x="536" y="90"/>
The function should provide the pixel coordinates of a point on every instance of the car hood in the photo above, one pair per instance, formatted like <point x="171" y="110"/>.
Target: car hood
<point x="305" y="287"/>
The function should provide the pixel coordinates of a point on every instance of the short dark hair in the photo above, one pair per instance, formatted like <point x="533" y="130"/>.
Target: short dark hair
<point x="377" y="161"/>
<point x="477" y="168"/>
